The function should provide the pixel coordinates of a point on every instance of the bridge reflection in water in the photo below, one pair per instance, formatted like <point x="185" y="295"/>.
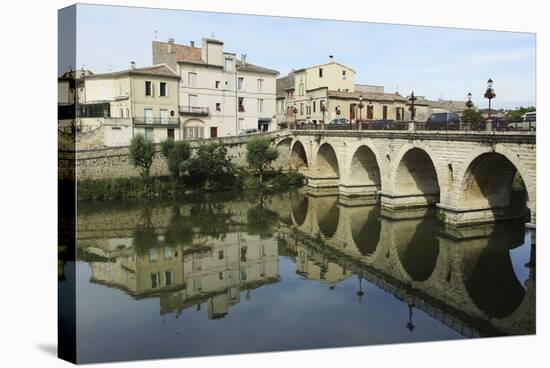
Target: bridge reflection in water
<point x="213" y="253"/>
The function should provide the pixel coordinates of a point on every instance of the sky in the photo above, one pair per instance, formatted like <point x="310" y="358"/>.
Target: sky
<point x="434" y="62"/>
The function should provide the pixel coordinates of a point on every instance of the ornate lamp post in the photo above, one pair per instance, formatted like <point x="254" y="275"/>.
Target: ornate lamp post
<point x="338" y="113"/>
<point x="323" y="110"/>
<point x="370" y="107"/>
<point x="412" y="98"/>
<point x="489" y="94"/>
<point x="360" y="106"/>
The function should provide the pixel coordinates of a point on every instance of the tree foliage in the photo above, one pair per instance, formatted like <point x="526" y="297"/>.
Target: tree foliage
<point x="260" y="154"/>
<point x="177" y="155"/>
<point x="142" y="153"/>
<point x="472" y="118"/>
<point x="515" y="115"/>
<point x="211" y="164"/>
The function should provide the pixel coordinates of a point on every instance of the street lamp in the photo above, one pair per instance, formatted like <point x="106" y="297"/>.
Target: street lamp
<point x="361" y="105"/>
<point x="338" y="113"/>
<point x="412" y="108"/>
<point x="489" y="94"/>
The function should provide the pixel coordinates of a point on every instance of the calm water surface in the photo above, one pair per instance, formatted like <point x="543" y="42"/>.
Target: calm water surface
<point x="233" y="273"/>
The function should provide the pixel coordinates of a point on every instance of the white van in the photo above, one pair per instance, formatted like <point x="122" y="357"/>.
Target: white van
<point x="528" y="122"/>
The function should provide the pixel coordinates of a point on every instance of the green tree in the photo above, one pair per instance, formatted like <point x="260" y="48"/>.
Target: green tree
<point x="260" y="154"/>
<point x="211" y="166"/>
<point x="177" y="155"/>
<point x="472" y="118"/>
<point x="515" y="115"/>
<point x="142" y="153"/>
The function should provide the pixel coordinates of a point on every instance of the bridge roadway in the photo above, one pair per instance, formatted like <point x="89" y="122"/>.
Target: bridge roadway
<point x="472" y="177"/>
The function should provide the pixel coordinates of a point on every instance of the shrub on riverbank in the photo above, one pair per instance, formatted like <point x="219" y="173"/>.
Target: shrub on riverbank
<point x="165" y="187"/>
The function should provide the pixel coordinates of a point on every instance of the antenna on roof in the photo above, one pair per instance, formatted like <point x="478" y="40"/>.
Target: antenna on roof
<point x="156" y="33"/>
<point x="212" y="35"/>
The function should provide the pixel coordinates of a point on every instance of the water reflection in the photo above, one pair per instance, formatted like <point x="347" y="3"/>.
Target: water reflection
<point x="212" y="252"/>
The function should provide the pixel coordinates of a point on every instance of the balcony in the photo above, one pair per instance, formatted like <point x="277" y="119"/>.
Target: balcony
<point x="194" y="110"/>
<point x="156" y="122"/>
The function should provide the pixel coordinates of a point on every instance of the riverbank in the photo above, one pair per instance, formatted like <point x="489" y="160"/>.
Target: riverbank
<point x="166" y="187"/>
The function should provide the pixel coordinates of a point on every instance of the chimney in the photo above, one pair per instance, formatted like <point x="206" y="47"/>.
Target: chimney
<point x="132" y="65"/>
<point x="192" y="43"/>
<point x="331" y="58"/>
<point x="170" y="45"/>
<point x="243" y="59"/>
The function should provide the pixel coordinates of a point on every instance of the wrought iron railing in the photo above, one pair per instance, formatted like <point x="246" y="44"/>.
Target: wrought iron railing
<point x="194" y="110"/>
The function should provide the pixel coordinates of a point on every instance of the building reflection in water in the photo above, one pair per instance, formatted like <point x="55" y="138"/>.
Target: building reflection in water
<point x="207" y="253"/>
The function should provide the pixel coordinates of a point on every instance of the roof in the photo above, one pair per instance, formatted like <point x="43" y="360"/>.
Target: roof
<point x="161" y="70"/>
<point x="329" y="63"/>
<point x="248" y="67"/>
<point x="368" y="96"/>
<point x="284" y="83"/>
<point x="75" y="74"/>
<point x="193" y="55"/>
<point x="181" y="53"/>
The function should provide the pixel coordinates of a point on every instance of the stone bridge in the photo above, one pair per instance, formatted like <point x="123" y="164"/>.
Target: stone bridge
<point x="472" y="177"/>
<point x="465" y="274"/>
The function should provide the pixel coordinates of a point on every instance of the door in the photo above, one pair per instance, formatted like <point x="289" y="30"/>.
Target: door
<point x="148" y="116"/>
<point x="213" y="132"/>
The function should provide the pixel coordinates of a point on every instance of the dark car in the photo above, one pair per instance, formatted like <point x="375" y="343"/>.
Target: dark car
<point x="443" y="121"/>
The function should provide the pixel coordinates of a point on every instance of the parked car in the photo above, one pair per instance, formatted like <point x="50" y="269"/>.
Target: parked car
<point x="249" y="131"/>
<point x="528" y="122"/>
<point x="339" y="121"/>
<point x="443" y="121"/>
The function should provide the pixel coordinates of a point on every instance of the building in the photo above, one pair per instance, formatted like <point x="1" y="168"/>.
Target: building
<point x="322" y="93"/>
<point x="147" y="98"/>
<point x="424" y="107"/>
<point x="220" y="94"/>
<point x="108" y="109"/>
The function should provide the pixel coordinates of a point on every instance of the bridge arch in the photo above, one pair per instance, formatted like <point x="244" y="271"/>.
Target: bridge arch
<point x="326" y="161"/>
<point x="283" y="147"/>
<point x="364" y="167"/>
<point x="417" y="172"/>
<point x="298" y="156"/>
<point x="487" y="179"/>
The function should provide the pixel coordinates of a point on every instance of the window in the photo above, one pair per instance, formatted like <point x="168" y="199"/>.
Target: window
<point x="384" y="112"/>
<point x="168" y="278"/>
<point x="121" y="113"/>
<point x="260" y="85"/>
<point x="148" y="114"/>
<point x="155" y="280"/>
<point x="163" y="116"/>
<point x="314" y="106"/>
<point x="260" y="105"/>
<point x="218" y="106"/>
<point x="220" y="254"/>
<point x="243" y="254"/>
<point x="170" y="133"/>
<point x="127" y="113"/>
<point x="217" y="84"/>
<point x="343" y="74"/>
<point x="163" y="89"/>
<point x="148" y="88"/>
<point x="152" y="255"/>
<point x="397" y="113"/>
<point x="320" y="72"/>
<point x="240" y="83"/>
<point x="192" y="100"/>
<point x="240" y="124"/>
<point x="192" y="79"/>
<point x="301" y="89"/>
<point x="301" y="109"/>
<point x="241" y="104"/>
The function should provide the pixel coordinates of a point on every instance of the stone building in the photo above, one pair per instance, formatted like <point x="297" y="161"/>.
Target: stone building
<point x="220" y="94"/>
<point x="322" y="93"/>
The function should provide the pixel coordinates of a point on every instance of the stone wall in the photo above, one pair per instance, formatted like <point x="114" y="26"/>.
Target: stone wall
<point x="114" y="162"/>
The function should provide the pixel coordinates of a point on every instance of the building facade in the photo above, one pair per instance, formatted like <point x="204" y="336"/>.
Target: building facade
<point x="327" y="92"/>
<point x="220" y="95"/>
